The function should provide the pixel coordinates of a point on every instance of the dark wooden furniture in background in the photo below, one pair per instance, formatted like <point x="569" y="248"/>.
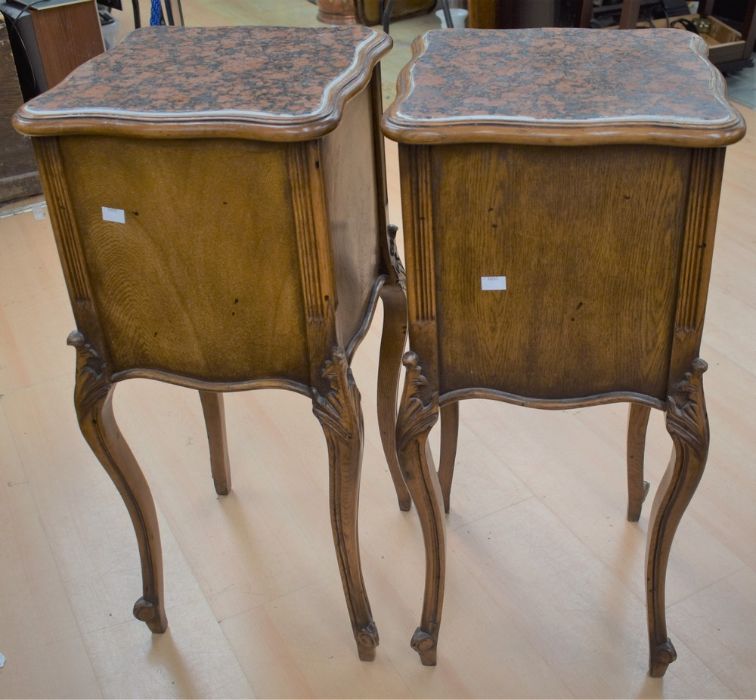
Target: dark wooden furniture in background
<point x="368" y="11"/>
<point x="18" y="172"/>
<point x="227" y="235"/>
<point x="513" y="14"/>
<point x="67" y="36"/>
<point x="730" y="48"/>
<point x="58" y="36"/>
<point x="559" y="242"/>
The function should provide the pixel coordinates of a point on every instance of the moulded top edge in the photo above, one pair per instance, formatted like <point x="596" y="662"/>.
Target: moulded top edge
<point x="562" y="87"/>
<point x="270" y="83"/>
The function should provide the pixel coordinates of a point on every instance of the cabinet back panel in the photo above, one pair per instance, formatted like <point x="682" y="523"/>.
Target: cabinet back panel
<point x="589" y="241"/>
<point x="202" y="279"/>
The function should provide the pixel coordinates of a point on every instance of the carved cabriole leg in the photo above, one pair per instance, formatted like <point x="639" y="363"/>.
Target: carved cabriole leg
<point x="389" y="366"/>
<point x="449" y="432"/>
<point x="340" y="416"/>
<point x="93" y="398"/>
<point x="637" y="488"/>
<point x="393" y="340"/>
<point x="688" y="426"/>
<point x="215" y="423"/>
<point x="418" y="413"/>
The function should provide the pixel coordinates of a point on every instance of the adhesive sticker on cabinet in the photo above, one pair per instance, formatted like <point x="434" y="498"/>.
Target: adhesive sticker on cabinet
<point x="117" y="216"/>
<point x="493" y="284"/>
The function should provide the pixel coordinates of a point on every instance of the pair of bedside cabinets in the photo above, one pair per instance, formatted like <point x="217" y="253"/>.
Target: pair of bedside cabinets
<point x="218" y="198"/>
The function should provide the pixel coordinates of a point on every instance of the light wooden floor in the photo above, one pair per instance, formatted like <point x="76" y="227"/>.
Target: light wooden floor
<point x="545" y="586"/>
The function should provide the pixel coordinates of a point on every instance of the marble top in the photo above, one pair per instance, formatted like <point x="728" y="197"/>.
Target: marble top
<point x="261" y="82"/>
<point x="562" y="86"/>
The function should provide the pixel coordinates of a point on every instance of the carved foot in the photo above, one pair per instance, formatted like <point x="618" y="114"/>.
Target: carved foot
<point x="425" y="645"/>
<point x="367" y="640"/>
<point x="662" y="656"/>
<point x="152" y="614"/>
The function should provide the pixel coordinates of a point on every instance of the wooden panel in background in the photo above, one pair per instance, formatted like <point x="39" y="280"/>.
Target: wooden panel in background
<point x="67" y="36"/>
<point x="18" y="172"/>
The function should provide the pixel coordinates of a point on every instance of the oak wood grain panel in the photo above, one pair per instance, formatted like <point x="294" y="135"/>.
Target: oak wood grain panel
<point x="583" y="264"/>
<point x="352" y="196"/>
<point x="202" y="280"/>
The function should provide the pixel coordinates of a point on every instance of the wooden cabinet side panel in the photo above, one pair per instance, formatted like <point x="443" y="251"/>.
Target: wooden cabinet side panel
<point x="352" y="196"/>
<point x="589" y="241"/>
<point x="202" y="278"/>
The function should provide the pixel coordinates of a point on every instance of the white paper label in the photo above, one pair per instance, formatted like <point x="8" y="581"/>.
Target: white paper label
<point x="117" y="216"/>
<point x="493" y="284"/>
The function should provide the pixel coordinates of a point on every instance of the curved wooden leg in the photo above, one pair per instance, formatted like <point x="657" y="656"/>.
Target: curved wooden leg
<point x="418" y="413"/>
<point x="93" y="399"/>
<point x="340" y="416"/>
<point x="688" y="426"/>
<point x="215" y="423"/>
<point x="637" y="488"/>
<point x="449" y="432"/>
<point x="389" y="365"/>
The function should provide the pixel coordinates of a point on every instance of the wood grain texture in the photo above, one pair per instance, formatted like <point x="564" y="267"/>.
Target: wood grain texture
<point x="477" y="86"/>
<point x="198" y="317"/>
<point x="419" y="226"/>
<point x="695" y="266"/>
<point x="258" y="98"/>
<point x="67" y="36"/>
<point x="351" y="190"/>
<point x="310" y="225"/>
<point x="527" y="214"/>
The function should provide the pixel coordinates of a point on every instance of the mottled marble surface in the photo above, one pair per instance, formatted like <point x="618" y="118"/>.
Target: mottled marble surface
<point x="284" y="75"/>
<point x="562" y="76"/>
